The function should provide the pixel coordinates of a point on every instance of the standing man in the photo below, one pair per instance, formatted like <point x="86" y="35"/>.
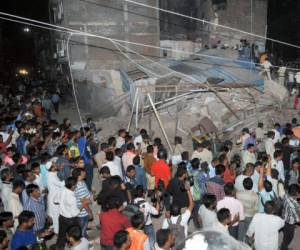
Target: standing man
<point x="160" y="169"/>
<point x="85" y="152"/>
<point x="291" y="215"/>
<point x="55" y="101"/>
<point x="235" y="207"/>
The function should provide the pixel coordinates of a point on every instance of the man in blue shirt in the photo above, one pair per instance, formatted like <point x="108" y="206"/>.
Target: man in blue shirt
<point x="36" y="204"/>
<point x="24" y="235"/>
<point x="140" y="175"/>
<point x="84" y="149"/>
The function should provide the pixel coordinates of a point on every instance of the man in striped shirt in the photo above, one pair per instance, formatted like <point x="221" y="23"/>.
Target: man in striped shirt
<point x="82" y="192"/>
<point x="36" y="204"/>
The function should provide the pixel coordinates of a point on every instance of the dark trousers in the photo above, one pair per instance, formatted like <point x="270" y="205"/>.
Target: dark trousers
<point x="288" y="235"/>
<point x="195" y="214"/>
<point x="234" y="231"/>
<point x="56" y="106"/>
<point x="63" y="225"/>
<point x="89" y="175"/>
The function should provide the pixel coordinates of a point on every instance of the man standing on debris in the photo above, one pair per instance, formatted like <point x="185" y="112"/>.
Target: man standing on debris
<point x="266" y="69"/>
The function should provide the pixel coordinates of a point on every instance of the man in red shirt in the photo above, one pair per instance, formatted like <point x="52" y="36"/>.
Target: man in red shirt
<point x="160" y="169"/>
<point x="111" y="222"/>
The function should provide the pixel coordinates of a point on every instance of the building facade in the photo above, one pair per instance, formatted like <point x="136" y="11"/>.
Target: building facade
<point x="95" y="62"/>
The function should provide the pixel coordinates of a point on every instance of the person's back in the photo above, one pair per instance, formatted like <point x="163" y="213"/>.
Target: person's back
<point x="139" y="240"/>
<point x="160" y="169"/>
<point x="112" y="221"/>
<point x="265" y="227"/>
<point x="207" y="211"/>
<point x="215" y="185"/>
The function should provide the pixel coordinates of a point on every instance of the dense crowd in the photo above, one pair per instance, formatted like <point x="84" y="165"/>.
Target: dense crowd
<point x="48" y="183"/>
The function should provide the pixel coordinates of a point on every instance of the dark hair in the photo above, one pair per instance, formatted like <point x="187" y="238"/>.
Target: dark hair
<point x="195" y="163"/>
<point x="137" y="220"/>
<point x="229" y="188"/>
<point x="70" y="182"/>
<point x="181" y="170"/>
<point x="121" y="131"/>
<point x="185" y="155"/>
<point x="139" y="191"/>
<point x="74" y="232"/>
<point x="293" y="190"/>
<point x="274" y="173"/>
<point x="277" y="153"/>
<point x="223" y="214"/>
<point x="5" y="216"/>
<point x="270" y="134"/>
<point x="34" y="165"/>
<point x="18" y="184"/>
<point x="25" y="216"/>
<point x="175" y="210"/>
<point x="60" y="149"/>
<point x="31" y="188"/>
<point x="162" y="236"/>
<point x="136" y="160"/>
<point x="112" y="141"/>
<point x="143" y="131"/>
<point x="104" y="146"/>
<point x="109" y="156"/>
<point x="296" y="160"/>
<point x="3" y="235"/>
<point x="250" y="145"/>
<point x="113" y="202"/>
<point x="220" y="169"/>
<point x="246" y="130"/>
<point x="208" y="200"/>
<point x="5" y="173"/>
<point x="130" y="146"/>
<point x="162" y="154"/>
<point x="157" y="141"/>
<point x="248" y="183"/>
<point x="120" y="238"/>
<point x="178" y="140"/>
<point x="260" y="125"/>
<point x="150" y="149"/>
<point x="130" y="168"/>
<point x="269" y="207"/>
<point x="104" y="170"/>
<point x="77" y="172"/>
<point x="268" y="186"/>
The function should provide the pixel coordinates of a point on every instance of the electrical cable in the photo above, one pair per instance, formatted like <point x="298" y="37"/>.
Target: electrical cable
<point x="132" y="43"/>
<point x="211" y="23"/>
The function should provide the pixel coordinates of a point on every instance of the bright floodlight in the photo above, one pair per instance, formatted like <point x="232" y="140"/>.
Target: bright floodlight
<point x="26" y="29"/>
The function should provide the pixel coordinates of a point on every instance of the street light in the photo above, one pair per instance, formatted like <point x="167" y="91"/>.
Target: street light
<point x="23" y="72"/>
<point x="26" y="29"/>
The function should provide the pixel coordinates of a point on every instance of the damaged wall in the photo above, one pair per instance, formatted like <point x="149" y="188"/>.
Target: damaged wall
<point x="95" y="60"/>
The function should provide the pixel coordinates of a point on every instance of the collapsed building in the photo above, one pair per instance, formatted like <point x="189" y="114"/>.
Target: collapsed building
<point x="196" y="94"/>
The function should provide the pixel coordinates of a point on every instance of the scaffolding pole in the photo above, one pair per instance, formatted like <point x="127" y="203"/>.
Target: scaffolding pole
<point x="159" y="121"/>
<point x="132" y="109"/>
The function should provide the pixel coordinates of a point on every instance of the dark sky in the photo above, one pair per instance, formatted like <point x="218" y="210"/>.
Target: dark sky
<point x="18" y="45"/>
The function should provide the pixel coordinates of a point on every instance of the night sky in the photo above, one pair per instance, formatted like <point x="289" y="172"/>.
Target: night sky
<point x="18" y="45"/>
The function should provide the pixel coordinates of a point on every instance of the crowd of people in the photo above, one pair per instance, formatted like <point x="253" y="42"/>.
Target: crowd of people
<point x="247" y="189"/>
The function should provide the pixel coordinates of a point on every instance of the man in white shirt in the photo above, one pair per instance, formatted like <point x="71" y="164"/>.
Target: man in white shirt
<point x="113" y="167"/>
<point x="6" y="188"/>
<point x="281" y="74"/>
<point x="121" y="138"/>
<point x="248" y="172"/>
<point x="245" y="135"/>
<point x="14" y="203"/>
<point x="265" y="227"/>
<point x="76" y="240"/>
<point x="277" y="164"/>
<point x="207" y="211"/>
<point x="224" y="219"/>
<point x="269" y="143"/>
<point x="266" y="66"/>
<point x="147" y="210"/>
<point x="139" y="139"/>
<point x="68" y="210"/>
<point x="235" y="207"/>
<point x="202" y="153"/>
<point x="248" y="156"/>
